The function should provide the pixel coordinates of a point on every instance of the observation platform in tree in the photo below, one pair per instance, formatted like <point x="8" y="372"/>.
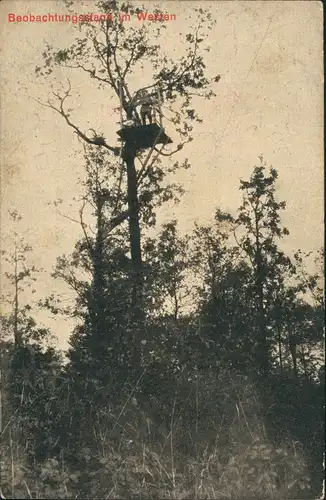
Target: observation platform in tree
<point x="144" y="136"/>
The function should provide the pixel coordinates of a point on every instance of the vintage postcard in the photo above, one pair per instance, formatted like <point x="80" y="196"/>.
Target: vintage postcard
<point x="162" y="232"/>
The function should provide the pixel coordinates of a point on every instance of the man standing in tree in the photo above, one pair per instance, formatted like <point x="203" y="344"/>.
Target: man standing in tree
<point x="146" y="109"/>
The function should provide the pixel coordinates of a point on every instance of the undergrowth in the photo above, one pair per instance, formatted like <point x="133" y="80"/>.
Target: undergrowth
<point x="129" y="456"/>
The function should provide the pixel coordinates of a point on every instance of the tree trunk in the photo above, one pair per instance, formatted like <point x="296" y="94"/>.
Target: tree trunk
<point x="263" y="359"/>
<point x="304" y="361"/>
<point x="98" y="288"/>
<point x="137" y="313"/>
<point x="293" y="351"/>
<point x="279" y="340"/>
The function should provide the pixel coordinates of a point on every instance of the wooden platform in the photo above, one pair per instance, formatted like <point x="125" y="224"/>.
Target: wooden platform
<point x="144" y="136"/>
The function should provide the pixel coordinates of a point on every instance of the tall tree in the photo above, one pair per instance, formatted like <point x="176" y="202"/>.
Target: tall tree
<point x="113" y="53"/>
<point x="224" y="307"/>
<point x="98" y="272"/>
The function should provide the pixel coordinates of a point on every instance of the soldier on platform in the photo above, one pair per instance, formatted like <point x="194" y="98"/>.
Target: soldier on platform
<point x="146" y="108"/>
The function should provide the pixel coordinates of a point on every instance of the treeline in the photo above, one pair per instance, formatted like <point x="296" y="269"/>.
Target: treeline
<point x="216" y="392"/>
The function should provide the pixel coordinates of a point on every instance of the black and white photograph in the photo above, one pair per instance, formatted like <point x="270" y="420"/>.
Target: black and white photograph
<point x="162" y="250"/>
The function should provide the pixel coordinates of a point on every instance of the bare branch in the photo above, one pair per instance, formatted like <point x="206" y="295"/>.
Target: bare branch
<point x="66" y="216"/>
<point x="179" y="147"/>
<point x="116" y="221"/>
<point x="128" y="63"/>
<point x="91" y="72"/>
<point x="119" y="191"/>
<point x="96" y="141"/>
<point x="143" y="172"/>
<point x="108" y="67"/>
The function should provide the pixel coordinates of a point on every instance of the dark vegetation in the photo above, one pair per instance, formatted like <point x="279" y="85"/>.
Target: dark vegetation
<point x="208" y="382"/>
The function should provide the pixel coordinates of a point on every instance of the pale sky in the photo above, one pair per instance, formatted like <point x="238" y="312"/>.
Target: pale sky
<point x="269" y="101"/>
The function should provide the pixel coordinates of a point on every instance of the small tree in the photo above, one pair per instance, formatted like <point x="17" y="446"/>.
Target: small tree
<point x="260" y="222"/>
<point x="169" y="269"/>
<point x="20" y="277"/>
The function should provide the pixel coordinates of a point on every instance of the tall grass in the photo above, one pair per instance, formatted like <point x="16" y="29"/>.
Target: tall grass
<point x="222" y="453"/>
